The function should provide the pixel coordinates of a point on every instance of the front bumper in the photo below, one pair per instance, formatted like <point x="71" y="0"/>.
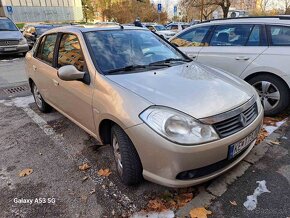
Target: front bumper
<point x="15" y="49"/>
<point x="163" y="160"/>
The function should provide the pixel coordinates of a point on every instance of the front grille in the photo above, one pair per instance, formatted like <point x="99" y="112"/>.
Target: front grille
<point x="8" y="42"/>
<point x="236" y="123"/>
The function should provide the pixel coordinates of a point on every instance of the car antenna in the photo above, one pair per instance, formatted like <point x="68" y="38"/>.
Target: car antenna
<point x="121" y="26"/>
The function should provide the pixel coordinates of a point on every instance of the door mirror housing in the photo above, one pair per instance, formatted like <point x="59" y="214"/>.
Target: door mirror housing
<point x="70" y="73"/>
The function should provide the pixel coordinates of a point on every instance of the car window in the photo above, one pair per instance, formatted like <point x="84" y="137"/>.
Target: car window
<point x="151" y="28"/>
<point x="255" y="37"/>
<point x="231" y="35"/>
<point x="280" y="35"/>
<point x="192" y="37"/>
<point x="174" y="27"/>
<point x="70" y="53"/>
<point x="46" y="48"/>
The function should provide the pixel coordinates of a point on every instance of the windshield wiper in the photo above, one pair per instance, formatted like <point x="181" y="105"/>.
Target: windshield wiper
<point x="168" y="61"/>
<point x="127" y="68"/>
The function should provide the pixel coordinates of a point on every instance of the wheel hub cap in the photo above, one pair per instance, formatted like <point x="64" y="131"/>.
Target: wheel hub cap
<point x="117" y="155"/>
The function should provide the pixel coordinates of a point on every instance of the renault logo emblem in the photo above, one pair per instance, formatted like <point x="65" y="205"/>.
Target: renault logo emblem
<point x="243" y="120"/>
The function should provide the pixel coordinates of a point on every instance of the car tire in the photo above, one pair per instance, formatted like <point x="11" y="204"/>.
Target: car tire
<point x="41" y="104"/>
<point x="127" y="160"/>
<point x="269" y="94"/>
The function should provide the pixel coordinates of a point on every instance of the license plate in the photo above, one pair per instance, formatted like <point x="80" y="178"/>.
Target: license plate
<point x="9" y="49"/>
<point x="239" y="146"/>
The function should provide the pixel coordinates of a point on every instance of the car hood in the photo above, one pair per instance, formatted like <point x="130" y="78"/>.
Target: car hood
<point x="10" y="35"/>
<point x="195" y="89"/>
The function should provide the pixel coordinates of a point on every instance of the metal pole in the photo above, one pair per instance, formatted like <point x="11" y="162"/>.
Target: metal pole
<point x="201" y="10"/>
<point x="158" y="17"/>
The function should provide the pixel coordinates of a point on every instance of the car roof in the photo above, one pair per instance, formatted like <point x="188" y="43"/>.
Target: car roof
<point x="281" y="19"/>
<point x="91" y="28"/>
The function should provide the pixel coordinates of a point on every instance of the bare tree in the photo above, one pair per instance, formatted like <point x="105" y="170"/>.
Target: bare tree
<point x="263" y="4"/>
<point x="287" y="6"/>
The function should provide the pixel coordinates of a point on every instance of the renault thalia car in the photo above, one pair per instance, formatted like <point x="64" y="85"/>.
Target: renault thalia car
<point x="168" y="119"/>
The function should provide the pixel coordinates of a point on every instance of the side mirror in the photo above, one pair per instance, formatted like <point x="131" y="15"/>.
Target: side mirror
<point x="70" y="73"/>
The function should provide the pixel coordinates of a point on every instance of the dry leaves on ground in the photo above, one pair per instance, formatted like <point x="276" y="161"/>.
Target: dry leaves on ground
<point x="270" y="121"/>
<point x="233" y="203"/>
<point x="262" y="135"/>
<point x="84" y="167"/>
<point x="25" y="172"/>
<point x="169" y="202"/>
<point x="200" y="212"/>
<point x="104" y="172"/>
<point x="274" y="143"/>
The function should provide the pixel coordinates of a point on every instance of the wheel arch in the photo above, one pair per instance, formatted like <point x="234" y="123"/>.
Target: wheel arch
<point x="249" y="77"/>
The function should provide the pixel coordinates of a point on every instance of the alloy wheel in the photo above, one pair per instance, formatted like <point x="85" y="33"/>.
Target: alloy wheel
<point x="117" y="154"/>
<point x="269" y="94"/>
<point x="37" y="96"/>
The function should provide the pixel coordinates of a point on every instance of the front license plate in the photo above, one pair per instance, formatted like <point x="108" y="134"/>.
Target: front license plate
<point x="9" y="49"/>
<point x="239" y="146"/>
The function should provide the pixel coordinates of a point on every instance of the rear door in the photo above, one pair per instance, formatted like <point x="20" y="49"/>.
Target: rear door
<point x="233" y="47"/>
<point x="42" y="68"/>
<point x="192" y="40"/>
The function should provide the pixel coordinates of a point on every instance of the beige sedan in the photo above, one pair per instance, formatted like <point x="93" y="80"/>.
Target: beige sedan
<point x="168" y="119"/>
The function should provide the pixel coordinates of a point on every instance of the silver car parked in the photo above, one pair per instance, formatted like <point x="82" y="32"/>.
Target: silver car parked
<point x="169" y="120"/>
<point x="11" y="39"/>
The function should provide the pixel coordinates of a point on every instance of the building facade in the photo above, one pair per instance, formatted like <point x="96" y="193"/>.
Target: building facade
<point x="42" y="10"/>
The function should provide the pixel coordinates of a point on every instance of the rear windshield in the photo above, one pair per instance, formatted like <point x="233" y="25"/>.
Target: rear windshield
<point x="7" y="25"/>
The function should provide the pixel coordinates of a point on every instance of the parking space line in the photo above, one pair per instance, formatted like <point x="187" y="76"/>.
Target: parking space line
<point x="110" y="190"/>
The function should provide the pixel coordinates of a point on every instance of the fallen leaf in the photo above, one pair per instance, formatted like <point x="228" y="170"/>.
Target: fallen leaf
<point x="274" y="142"/>
<point x="183" y="199"/>
<point x="261" y="136"/>
<point x="84" y="166"/>
<point x="156" y="205"/>
<point x="200" y="212"/>
<point x="85" y="178"/>
<point x="233" y="203"/>
<point x="84" y="198"/>
<point x="93" y="191"/>
<point x="104" y="172"/>
<point x="103" y="186"/>
<point x="25" y="172"/>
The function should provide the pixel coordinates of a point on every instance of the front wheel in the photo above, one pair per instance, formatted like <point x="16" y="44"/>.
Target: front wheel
<point x="273" y="92"/>
<point x="41" y="104"/>
<point x="128" y="163"/>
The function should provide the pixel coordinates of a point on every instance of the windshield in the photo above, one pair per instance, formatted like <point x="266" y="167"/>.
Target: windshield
<point x="159" y="28"/>
<point x="117" y="49"/>
<point x="7" y="25"/>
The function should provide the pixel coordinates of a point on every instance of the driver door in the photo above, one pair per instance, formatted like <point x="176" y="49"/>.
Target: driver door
<point x="74" y="97"/>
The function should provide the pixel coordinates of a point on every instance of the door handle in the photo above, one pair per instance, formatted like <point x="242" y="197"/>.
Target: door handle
<point x="242" y="58"/>
<point x="34" y="67"/>
<point x="56" y="83"/>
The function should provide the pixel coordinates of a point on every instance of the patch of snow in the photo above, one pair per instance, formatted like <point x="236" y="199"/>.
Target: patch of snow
<point x="21" y="102"/>
<point x="271" y="129"/>
<point x="165" y="214"/>
<point x="252" y="201"/>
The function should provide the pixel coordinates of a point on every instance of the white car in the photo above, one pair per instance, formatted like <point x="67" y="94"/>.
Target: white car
<point x="255" y="49"/>
<point x="160" y="30"/>
<point x="177" y="27"/>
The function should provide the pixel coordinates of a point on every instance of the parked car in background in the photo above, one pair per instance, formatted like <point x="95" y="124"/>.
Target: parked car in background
<point x="33" y="31"/>
<point x="11" y="39"/>
<point x="255" y="49"/>
<point x="160" y="30"/>
<point x="189" y="123"/>
<point x="177" y="27"/>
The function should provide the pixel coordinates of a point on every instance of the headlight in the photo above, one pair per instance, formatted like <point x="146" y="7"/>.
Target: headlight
<point x="22" y="41"/>
<point x="177" y="126"/>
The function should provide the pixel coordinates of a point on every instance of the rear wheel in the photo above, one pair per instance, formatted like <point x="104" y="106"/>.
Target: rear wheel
<point x="128" y="163"/>
<point x="41" y="104"/>
<point x="273" y="92"/>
